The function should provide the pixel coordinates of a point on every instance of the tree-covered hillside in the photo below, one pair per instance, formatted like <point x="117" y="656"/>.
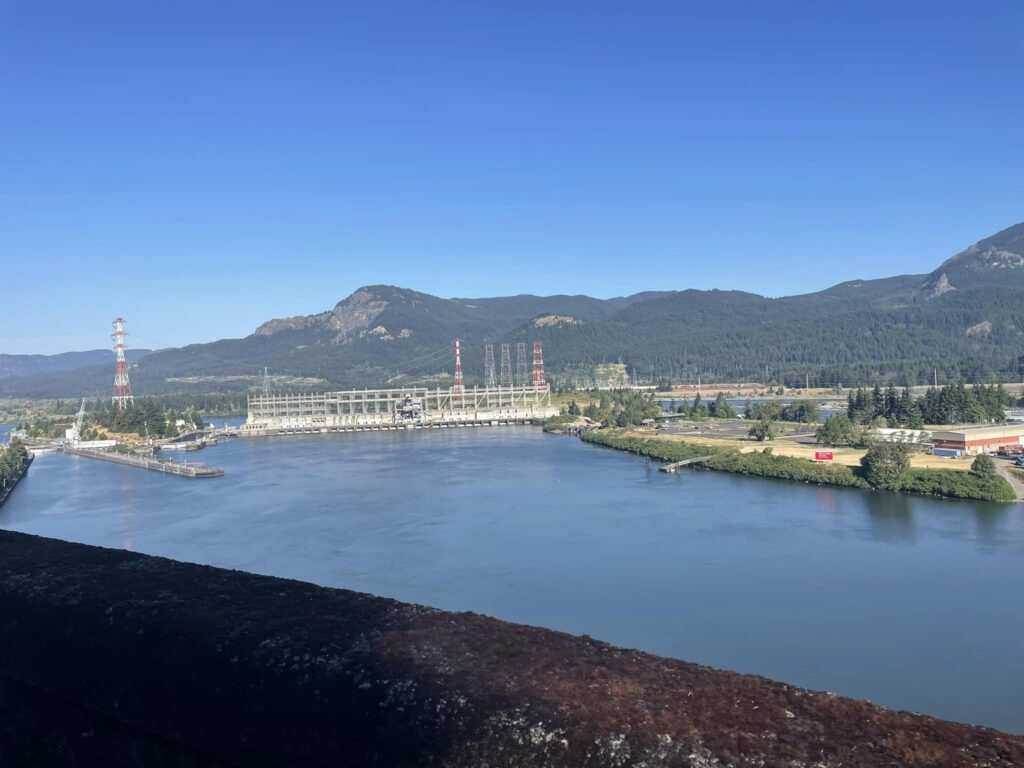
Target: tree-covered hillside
<point x="965" y="321"/>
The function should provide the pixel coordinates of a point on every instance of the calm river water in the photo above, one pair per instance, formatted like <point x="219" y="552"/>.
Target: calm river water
<point x="910" y="602"/>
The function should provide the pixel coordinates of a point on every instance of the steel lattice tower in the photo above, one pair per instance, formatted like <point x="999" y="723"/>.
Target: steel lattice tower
<point x="521" y="378"/>
<point x="122" y="386"/>
<point x="538" y="364"/>
<point x="506" y="366"/>
<point x="489" y="378"/>
<point x="459" y="390"/>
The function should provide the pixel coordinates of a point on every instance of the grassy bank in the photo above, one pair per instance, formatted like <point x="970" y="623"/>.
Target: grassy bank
<point x="662" y="450"/>
<point x="933" y="482"/>
<point x="786" y="468"/>
<point x="957" y="485"/>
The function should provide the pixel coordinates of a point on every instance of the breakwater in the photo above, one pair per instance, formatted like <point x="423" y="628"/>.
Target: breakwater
<point x="145" y="462"/>
<point x="231" y="668"/>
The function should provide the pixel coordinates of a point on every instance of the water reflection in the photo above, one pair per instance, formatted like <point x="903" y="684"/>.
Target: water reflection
<point x="890" y="516"/>
<point x="826" y="498"/>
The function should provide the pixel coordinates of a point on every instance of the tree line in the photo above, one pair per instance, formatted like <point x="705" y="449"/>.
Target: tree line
<point x="147" y="418"/>
<point x="951" y="404"/>
<point x="621" y="408"/>
<point x="867" y="410"/>
<point x="12" y="462"/>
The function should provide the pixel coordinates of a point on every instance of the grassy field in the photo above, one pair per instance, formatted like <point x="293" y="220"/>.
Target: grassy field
<point x="787" y="446"/>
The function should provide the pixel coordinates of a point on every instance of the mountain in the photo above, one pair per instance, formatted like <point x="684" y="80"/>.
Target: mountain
<point x="964" y="320"/>
<point x="29" y="365"/>
<point x="996" y="261"/>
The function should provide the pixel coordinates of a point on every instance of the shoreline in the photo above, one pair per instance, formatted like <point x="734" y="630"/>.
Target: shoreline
<point x="936" y="483"/>
<point x="21" y="476"/>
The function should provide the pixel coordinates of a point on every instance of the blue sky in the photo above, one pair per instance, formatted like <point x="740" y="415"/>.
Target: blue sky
<point x="200" y="167"/>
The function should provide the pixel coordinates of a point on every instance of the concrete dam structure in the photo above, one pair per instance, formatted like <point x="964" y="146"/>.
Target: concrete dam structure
<point x="405" y="408"/>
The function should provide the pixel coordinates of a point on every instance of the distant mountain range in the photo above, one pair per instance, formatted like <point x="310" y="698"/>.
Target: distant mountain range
<point x="31" y="365"/>
<point x="964" y="320"/>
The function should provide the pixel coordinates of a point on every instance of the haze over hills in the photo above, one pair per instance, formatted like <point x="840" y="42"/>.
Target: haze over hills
<point x="28" y="365"/>
<point x="965" y="319"/>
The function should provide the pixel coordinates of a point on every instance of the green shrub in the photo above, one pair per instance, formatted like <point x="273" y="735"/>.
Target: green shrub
<point x="785" y="468"/>
<point x="983" y="465"/>
<point x="956" y="484"/>
<point x="557" y="422"/>
<point x="885" y="464"/>
<point x="662" y="450"/>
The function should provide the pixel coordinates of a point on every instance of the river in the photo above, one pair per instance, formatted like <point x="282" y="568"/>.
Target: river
<point x="910" y="602"/>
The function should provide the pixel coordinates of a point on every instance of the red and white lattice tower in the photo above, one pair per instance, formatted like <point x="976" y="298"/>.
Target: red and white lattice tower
<point x="459" y="390"/>
<point x="122" y="387"/>
<point x="538" y="365"/>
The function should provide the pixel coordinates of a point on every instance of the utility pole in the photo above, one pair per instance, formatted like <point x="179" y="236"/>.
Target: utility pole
<point x="458" y="396"/>
<point x="122" y="397"/>
<point x="506" y="366"/>
<point x="521" y="374"/>
<point x="538" y="365"/>
<point x="489" y="377"/>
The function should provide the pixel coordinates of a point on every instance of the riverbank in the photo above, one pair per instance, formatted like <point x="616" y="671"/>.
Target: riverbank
<point x="17" y="478"/>
<point x="947" y="483"/>
<point x="512" y="523"/>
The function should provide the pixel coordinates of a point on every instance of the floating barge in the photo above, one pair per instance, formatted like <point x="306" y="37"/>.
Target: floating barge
<point x="144" y="462"/>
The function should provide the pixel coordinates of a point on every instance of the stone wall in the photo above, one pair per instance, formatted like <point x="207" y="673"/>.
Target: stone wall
<point x="189" y="665"/>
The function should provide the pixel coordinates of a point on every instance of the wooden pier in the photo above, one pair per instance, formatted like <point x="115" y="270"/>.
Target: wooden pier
<point x="671" y="468"/>
<point x="145" y="462"/>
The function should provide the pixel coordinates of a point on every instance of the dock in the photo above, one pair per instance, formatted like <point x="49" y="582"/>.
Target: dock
<point x="145" y="462"/>
<point x="671" y="468"/>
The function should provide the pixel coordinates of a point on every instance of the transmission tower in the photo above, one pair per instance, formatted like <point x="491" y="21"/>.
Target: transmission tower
<point x="538" y="365"/>
<point x="122" y="387"/>
<point x="459" y="390"/>
<point x="489" y="377"/>
<point x="506" y="366"/>
<point x="265" y="386"/>
<point x="521" y="379"/>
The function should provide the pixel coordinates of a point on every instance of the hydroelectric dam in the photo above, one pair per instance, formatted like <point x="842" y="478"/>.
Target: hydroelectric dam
<point x="406" y="408"/>
<point x="358" y="410"/>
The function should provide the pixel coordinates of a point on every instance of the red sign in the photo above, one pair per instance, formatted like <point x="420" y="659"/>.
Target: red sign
<point x="823" y="455"/>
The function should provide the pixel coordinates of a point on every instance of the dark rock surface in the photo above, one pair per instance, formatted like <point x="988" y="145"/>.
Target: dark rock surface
<point x="208" y="666"/>
<point x="37" y="728"/>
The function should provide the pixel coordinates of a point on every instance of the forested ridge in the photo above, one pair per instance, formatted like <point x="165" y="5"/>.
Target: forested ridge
<point x="963" y="322"/>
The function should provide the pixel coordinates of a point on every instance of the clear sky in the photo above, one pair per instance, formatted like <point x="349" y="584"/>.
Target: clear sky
<point x="200" y="167"/>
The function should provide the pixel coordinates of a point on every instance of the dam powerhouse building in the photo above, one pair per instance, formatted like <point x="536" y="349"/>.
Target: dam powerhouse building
<point x="497" y="402"/>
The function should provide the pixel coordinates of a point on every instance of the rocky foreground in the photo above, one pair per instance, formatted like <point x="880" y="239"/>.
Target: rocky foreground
<point x="112" y="658"/>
